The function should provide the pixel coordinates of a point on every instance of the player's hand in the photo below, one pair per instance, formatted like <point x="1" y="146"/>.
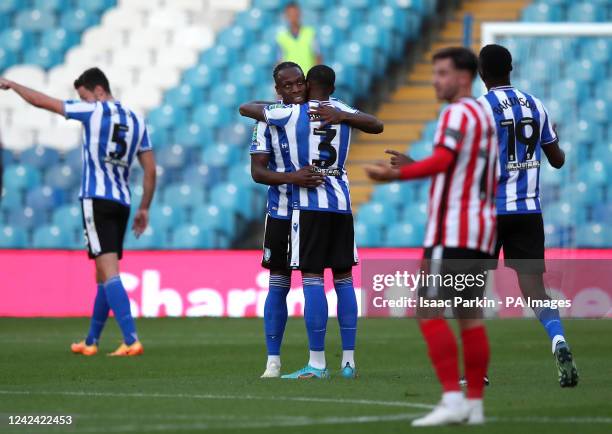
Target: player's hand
<point x="5" y="84"/>
<point x="398" y="159"/>
<point x="382" y="172"/>
<point x="328" y="115"/>
<point x="306" y="177"/>
<point x="141" y="221"/>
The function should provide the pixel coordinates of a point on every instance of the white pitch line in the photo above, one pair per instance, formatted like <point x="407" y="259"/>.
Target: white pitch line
<point x="224" y="397"/>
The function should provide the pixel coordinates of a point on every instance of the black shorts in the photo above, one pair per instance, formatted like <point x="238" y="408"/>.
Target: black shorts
<point x="276" y="244"/>
<point x="320" y="240"/>
<point x="104" y="222"/>
<point x="522" y="238"/>
<point x="460" y="273"/>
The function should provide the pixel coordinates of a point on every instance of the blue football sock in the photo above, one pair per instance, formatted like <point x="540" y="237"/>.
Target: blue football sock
<point x="551" y="321"/>
<point x="99" y="316"/>
<point x="275" y="312"/>
<point x="120" y="304"/>
<point x="315" y="312"/>
<point x="347" y="312"/>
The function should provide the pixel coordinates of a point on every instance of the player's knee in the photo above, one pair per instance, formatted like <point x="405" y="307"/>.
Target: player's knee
<point x="342" y="273"/>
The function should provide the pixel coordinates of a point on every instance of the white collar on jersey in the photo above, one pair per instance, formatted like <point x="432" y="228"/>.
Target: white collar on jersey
<point x="509" y="86"/>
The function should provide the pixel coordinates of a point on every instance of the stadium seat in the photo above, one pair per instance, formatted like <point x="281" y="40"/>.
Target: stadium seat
<point x="211" y="115"/>
<point x="26" y="217"/>
<point x="586" y="12"/>
<point x="229" y="95"/>
<point x="598" y="50"/>
<point x="34" y="20"/>
<point x="541" y="13"/>
<point x="165" y="217"/>
<point x="76" y="20"/>
<point x="21" y="176"/>
<point x="44" y="198"/>
<point x="68" y="218"/>
<point x="11" y="199"/>
<point x="191" y="237"/>
<point x="245" y="75"/>
<point x="184" y="195"/>
<point x="182" y="96"/>
<point x="598" y="110"/>
<point x="593" y="235"/>
<point x="218" y="56"/>
<point x="368" y="235"/>
<point x="586" y="70"/>
<point x="166" y="116"/>
<point x="193" y="136"/>
<point x="201" y="76"/>
<point x="151" y="239"/>
<point x="13" y="237"/>
<point x="404" y="235"/>
<point x="376" y="213"/>
<point x="51" y="237"/>
<point x="212" y="217"/>
<point x="219" y="156"/>
<point x="172" y="157"/>
<point x="593" y="172"/>
<point x="40" y="157"/>
<point x="58" y="40"/>
<point x="389" y="193"/>
<point x="262" y="54"/>
<point x="254" y="19"/>
<point x="237" y="134"/>
<point x="233" y="37"/>
<point x="231" y="196"/>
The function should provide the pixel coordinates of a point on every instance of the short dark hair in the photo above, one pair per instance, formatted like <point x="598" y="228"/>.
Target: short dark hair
<point x="91" y="78"/>
<point x="463" y="58"/>
<point x="495" y="61"/>
<point x="292" y="5"/>
<point x="285" y="65"/>
<point x="323" y="75"/>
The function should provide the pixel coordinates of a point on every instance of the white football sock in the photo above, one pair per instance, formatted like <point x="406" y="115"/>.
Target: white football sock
<point x="273" y="359"/>
<point x="317" y="359"/>
<point x="348" y="356"/>
<point x="556" y="340"/>
<point x="452" y="399"/>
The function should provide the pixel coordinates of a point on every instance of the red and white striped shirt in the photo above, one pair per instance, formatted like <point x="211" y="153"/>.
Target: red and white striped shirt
<point x="461" y="211"/>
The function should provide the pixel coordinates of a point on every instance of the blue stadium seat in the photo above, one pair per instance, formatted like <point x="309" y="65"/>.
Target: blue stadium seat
<point x="377" y="213"/>
<point x="220" y="156"/>
<point x="415" y="213"/>
<point x="373" y="36"/>
<point x="236" y="134"/>
<point x="405" y="235"/>
<point x="172" y="157"/>
<point x="62" y="177"/>
<point x="586" y="70"/>
<point x="184" y="195"/>
<point x="429" y="131"/>
<point x="593" y="172"/>
<point x="551" y="177"/>
<point x="564" y="213"/>
<point x="26" y="217"/>
<point x="240" y="174"/>
<point x="231" y="196"/>
<point x="10" y="198"/>
<point x="13" y="237"/>
<point x="74" y="159"/>
<point x="7" y="58"/>
<point x="95" y="6"/>
<point x="262" y="54"/>
<point x="593" y="235"/>
<point x="541" y="13"/>
<point x="212" y="217"/>
<point x="191" y="237"/>
<point x="211" y="115"/>
<point x="159" y="136"/>
<point x="68" y="218"/>
<point x="542" y="71"/>
<point x="389" y="194"/>
<point x="52" y="6"/>
<point x="585" y="132"/>
<point x="76" y="20"/>
<point x="21" y="176"/>
<point x="166" y="116"/>
<point x="44" y="198"/>
<point x="421" y="149"/>
<point x="16" y="40"/>
<point x="165" y="217"/>
<point x="34" y="20"/>
<point x="229" y="95"/>
<point x="357" y="55"/>
<point x="342" y="17"/>
<point x="368" y="235"/>
<point x="39" y="157"/>
<point x="151" y="239"/>
<point x="201" y="175"/>
<point x="598" y="110"/>
<point x="219" y="56"/>
<point x="246" y="75"/>
<point x="9" y="6"/>
<point x="42" y="56"/>
<point x="254" y="19"/>
<point x="586" y="12"/>
<point x="181" y="96"/>
<point x="58" y="40"/>
<point x="597" y="49"/>
<point x="391" y="18"/>
<point x="201" y="76"/>
<point x="51" y="237"/>
<point x="193" y="135"/>
<point x="233" y="37"/>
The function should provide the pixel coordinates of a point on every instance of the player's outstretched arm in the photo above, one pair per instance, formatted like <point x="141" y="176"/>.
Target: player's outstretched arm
<point x="141" y="219"/>
<point x="33" y="97"/>
<point x="304" y="177"/>
<point x="254" y="110"/>
<point x="362" y="121"/>
<point x="554" y="154"/>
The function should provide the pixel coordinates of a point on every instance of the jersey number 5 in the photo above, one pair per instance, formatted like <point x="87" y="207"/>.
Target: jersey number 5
<point x="326" y="147"/>
<point x="119" y="131"/>
<point x="518" y="135"/>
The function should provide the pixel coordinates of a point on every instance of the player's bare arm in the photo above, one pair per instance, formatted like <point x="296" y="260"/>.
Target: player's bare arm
<point x="440" y="161"/>
<point x="33" y="97"/>
<point x="398" y="159"/>
<point x="304" y="177"/>
<point x="141" y="219"/>
<point x="362" y="121"/>
<point x="254" y="110"/>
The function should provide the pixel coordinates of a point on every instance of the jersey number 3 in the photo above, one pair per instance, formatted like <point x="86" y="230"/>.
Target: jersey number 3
<point x="325" y="147"/>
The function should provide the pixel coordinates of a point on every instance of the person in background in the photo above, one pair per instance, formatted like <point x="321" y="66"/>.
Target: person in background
<point x="297" y="43"/>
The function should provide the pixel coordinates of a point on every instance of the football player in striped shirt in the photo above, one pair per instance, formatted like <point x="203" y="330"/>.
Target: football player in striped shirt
<point x="524" y="131"/>
<point x="460" y="234"/>
<point x="114" y="137"/>
<point x="270" y="166"/>
<point x="322" y="235"/>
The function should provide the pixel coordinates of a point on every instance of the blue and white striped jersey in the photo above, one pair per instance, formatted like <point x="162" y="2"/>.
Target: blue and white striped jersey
<point x="523" y="127"/>
<point x="325" y="148"/>
<point x="273" y="141"/>
<point x="112" y="136"/>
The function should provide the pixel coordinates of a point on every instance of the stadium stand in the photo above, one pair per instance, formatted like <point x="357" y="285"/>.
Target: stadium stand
<point x="188" y="64"/>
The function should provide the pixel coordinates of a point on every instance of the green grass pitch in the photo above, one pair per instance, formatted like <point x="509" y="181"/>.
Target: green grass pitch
<point x="202" y="375"/>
